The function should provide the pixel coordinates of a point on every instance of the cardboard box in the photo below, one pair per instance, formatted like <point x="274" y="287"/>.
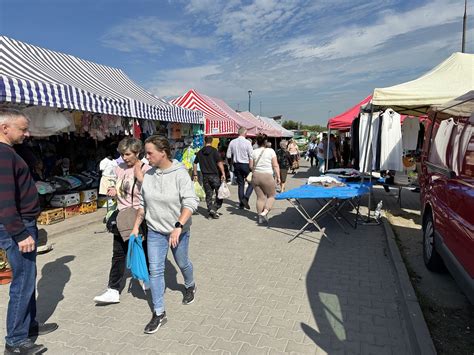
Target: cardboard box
<point x="88" y="195"/>
<point x="72" y="211"/>
<point x="65" y="200"/>
<point x="88" y="207"/>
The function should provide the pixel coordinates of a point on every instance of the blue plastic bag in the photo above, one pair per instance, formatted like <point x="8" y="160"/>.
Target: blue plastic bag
<point x="136" y="261"/>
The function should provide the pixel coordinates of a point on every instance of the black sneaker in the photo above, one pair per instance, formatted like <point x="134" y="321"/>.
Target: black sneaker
<point x="156" y="322"/>
<point x="189" y="295"/>
<point x="245" y="202"/>
<point x="213" y="214"/>
<point x="27" y="348"/>
<point x="42" y="329"/>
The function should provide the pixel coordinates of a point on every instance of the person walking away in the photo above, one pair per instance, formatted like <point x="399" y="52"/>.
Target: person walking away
<point x="264" y="164"/>
<point x="346" y="152"/>
<point x="333" y="152"/>
<point x="284" y="162"/>
<point x="19" y="208"/>
<point x="211" y="167"/>
<point x="295" y="155"/>
<point x="129" y="175"/>
<point x="312" y="150"/>
<point x="168" y="201"/>
<point x="240" y="150"/>
<point x="321" y="154"/>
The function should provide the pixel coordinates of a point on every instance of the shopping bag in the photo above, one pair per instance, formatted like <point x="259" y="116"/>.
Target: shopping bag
<point x="223" y="191"/>
<point x="249" y="177"/>
<point x="136" y="261"/>
<point x="200" y="193"/>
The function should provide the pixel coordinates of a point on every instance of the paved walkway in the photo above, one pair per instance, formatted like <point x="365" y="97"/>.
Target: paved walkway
<point x="257" y="293"/>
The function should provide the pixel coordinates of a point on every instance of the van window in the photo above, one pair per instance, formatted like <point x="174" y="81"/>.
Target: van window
<point x="468" y="161"/>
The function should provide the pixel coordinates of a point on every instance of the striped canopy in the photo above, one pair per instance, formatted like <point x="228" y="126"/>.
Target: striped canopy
<point x="36" y="76"/>
<point x="217" y="122"/>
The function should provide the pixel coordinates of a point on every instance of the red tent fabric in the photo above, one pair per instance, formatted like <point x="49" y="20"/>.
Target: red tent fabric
<point x="344" y="120"/>
<point x="217" y="123"/>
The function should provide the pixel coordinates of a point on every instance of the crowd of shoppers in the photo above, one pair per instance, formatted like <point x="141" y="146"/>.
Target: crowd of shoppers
<point x="160" y="197"/>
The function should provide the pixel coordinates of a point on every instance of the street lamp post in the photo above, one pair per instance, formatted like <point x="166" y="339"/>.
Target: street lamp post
<point x="250" y="95"/>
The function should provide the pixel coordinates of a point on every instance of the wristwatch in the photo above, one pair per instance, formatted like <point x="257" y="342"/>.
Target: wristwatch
<point x="178" y="225"/>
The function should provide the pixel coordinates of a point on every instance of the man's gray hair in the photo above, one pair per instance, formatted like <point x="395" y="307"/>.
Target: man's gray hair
<point x="242" y="131"/>
<point x="283" y="144"/>
<point x="8" y="115"/>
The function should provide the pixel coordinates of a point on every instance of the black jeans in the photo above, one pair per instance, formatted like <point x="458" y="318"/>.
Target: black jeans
<point x="119" y="259"/>
<point x="211" y="184"/>
<point x="241" y="170"/>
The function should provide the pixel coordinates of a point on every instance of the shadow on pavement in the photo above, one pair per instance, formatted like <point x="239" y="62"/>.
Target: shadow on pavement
<point x="54" y="277"/>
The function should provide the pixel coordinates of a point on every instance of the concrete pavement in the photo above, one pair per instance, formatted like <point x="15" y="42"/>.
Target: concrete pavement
<point x="257" y="293"/>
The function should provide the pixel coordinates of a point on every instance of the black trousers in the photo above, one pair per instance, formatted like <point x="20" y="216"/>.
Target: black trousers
<point x="211" y="184"/>
<point x="241" y="170"/>
<point x="119" y="259"/>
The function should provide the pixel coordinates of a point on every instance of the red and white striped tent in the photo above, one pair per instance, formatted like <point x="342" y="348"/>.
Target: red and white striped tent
<point x="217" y="121"/>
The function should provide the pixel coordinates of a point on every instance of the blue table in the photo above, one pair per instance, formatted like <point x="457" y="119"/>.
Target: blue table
<point x="331" y="200"/>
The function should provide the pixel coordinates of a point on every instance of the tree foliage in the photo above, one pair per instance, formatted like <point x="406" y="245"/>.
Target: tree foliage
<point x="290" y="124"/>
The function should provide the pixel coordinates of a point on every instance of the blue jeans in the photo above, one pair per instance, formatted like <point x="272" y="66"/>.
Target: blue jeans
<point x="157" y="250"/>
<point x="241" y="171"/>
<point x="21" y="313"/>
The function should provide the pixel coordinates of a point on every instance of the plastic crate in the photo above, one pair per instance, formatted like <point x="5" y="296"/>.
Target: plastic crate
<point x="51" y="216"/>
<point x="88" y="207"/>
<point x="72" y="211"/>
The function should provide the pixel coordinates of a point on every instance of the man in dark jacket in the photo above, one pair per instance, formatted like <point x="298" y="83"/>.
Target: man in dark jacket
<point x="211" y="165"/>
<point x="19" y="208"/>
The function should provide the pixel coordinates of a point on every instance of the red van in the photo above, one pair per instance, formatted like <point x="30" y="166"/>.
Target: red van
<point x="447" y="191"/>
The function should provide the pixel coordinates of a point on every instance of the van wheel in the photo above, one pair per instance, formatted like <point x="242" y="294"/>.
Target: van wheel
<point x="431" y="257"/>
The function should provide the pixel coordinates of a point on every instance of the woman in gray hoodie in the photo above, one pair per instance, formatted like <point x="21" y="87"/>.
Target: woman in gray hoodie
<point x="167" y="203"/>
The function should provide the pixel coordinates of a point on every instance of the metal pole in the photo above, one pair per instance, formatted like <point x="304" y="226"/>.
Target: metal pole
<point x="464" y="21"/>
<point x="366" y="156"/>
<point x="250" y="95"/>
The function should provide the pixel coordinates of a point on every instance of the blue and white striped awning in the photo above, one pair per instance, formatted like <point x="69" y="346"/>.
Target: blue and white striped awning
<point x="38" y="76"/>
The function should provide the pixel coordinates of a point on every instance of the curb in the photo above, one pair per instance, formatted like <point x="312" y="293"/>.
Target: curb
<point x="418" y="333"/>
<point x="73" y="224"/>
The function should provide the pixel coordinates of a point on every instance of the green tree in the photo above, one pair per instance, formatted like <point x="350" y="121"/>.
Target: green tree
<point x="290" y="124"/>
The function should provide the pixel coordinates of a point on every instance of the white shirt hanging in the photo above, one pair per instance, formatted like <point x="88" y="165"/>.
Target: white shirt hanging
<point x="391" y="142"/>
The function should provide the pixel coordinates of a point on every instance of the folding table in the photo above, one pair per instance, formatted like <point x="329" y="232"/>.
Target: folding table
<point x="331" y="200"/>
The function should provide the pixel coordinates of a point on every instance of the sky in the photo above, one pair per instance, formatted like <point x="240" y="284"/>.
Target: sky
<point x="307" y="60"/>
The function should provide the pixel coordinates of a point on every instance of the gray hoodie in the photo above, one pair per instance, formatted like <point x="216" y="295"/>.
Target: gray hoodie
<point x="164" y="193"/>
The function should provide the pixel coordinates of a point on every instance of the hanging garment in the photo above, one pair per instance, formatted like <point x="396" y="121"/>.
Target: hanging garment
<point x="45" y="121"/>
<point x="461" y="136"/>
<point x="378" y="147"/>
<point x="440" y="144"/>
<point x="176" y="130"/>
<point x="410" y="130"/>
<point x="392" y="147"/>
<point x="421" y="137"/>
<point x="355" y="142"/>
<point x="364" y="147"/>
<point x="376" y="141"/>
<point x="137" y="131"/>
<point x="186" y="130"/>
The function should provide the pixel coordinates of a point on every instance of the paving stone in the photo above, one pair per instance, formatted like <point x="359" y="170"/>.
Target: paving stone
<point x="251" y="339"/>
<point x="202" y="351"/>
<point x="200" y="340"/>
<point x="225" y="334"/>
<point x="249" y="349"/>
<point x="243" y="326"/>
<point x="271" y="342"/>
<point x="232" y="347"/>
<point x="178" y="348"/>
<point x="292" y="347"/>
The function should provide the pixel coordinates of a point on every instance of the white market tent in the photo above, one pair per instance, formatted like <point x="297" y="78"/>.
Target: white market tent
<point x="450" y="79"/>
<point x="461" y="106"/>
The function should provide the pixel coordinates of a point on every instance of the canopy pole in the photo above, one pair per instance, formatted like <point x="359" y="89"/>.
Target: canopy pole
<point x="368" y="146"/>
<point x="328" y="146"/>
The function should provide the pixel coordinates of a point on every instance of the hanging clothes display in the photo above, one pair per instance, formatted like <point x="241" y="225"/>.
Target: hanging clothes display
<point x="355" y="142"/>
<point x="391" y="142"/>
<point x="366" y="150"/>
<point x="410" y="130"/>
<point x="45" y="121"/>
<point x="440" y="144"/>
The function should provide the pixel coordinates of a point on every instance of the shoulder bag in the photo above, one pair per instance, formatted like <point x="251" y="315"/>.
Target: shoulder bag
<point x="250" y="175"/>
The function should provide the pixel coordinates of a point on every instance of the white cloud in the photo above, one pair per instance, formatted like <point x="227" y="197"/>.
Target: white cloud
<point x="152" y="35"/>
<point x="359" y="40"/>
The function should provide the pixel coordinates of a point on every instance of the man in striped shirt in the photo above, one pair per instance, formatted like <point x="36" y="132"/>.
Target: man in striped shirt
<point x="19" y="208"/>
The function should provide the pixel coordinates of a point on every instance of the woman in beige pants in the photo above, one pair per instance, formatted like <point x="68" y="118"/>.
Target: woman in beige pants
<point x="264" y="165"/>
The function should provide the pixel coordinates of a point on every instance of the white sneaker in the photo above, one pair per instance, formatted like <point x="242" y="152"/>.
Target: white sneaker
<point x="109" y="296"/>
